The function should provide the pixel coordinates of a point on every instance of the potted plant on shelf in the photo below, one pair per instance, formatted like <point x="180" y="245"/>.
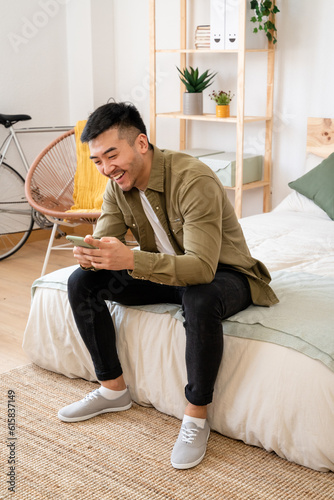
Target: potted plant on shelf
<point x="195" y="84"/>
<point x="222" y="100"/>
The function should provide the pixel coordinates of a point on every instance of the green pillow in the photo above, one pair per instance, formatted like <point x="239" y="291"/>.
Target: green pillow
<point x="318" y="185"/>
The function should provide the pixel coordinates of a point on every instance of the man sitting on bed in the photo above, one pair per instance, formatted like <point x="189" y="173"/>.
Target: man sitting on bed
<point x="192" y="253"/>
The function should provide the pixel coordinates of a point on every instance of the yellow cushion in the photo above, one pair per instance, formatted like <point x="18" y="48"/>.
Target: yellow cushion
<point x="89" y="184"/>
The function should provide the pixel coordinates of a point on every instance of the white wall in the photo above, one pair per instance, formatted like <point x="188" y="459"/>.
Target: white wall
<point x="90" y="50"/>
<point x="79" y="59"/>
<point x="63" y="58"/>
<point x="57" y="64"/>
<point x="34" y="77"/>
<point x="131" y="64"/>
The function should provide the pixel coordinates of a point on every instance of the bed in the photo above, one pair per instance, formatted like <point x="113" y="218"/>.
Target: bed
<point x="275" y="387"/>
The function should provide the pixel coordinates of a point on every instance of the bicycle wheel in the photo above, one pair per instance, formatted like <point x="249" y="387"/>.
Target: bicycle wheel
<point x="16" y="219"/>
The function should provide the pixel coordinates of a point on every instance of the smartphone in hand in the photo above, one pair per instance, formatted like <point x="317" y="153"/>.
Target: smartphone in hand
<point x="79" y="241"/>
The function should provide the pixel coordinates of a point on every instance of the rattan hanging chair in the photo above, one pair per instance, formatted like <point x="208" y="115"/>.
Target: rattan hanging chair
<point x="49" y="188"/>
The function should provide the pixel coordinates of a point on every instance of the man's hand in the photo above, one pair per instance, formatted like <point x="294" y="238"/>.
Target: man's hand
<point x="110" y="254"/>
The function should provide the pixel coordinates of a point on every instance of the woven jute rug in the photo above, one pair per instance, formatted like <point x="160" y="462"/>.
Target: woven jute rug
<point x="125" y="455"/>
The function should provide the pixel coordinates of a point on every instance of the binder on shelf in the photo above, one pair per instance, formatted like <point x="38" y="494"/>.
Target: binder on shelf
<point x="224" y="22"/>
<point x="217" y="24"/>
<point x="231" y="25"/>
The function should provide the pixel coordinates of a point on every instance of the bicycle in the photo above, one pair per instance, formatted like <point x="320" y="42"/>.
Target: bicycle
<point x="17" y="217"/>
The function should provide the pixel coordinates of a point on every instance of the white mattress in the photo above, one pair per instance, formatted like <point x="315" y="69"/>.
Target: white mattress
<point x="266" y="395"/>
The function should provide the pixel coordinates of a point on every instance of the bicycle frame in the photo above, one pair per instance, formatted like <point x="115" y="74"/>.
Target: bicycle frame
<point x="17" y="220"/>
<point x="12" y="137"/>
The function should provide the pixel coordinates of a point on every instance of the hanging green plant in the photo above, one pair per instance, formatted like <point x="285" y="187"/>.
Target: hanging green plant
<point x="263" y="9"/>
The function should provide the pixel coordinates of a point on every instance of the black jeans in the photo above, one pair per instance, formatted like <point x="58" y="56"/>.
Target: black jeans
<point x="204" y="307"/>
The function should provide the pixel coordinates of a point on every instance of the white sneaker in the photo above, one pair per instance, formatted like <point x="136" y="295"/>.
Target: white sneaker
<point x="190" y="447"/>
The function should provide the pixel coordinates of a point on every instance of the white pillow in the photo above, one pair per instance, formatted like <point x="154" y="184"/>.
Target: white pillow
<point x="296" y="202"/>
<point x="311" y="162"/>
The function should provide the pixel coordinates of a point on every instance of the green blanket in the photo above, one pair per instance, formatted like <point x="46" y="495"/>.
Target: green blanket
<point x="302" y="320"/>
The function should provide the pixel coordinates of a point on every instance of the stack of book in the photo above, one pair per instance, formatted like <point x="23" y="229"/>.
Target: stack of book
<point x="202" y="36"/>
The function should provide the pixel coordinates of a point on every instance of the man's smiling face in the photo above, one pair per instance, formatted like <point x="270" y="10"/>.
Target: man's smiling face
<point x="116" y="158"/>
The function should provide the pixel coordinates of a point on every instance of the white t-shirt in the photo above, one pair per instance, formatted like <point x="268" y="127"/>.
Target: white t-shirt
<point x="161" y="238"/>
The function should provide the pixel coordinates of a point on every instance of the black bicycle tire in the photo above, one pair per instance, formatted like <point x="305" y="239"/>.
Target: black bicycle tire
<point x="26" y="232"/>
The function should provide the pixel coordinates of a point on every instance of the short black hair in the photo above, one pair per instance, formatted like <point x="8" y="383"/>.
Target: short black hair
<point x="121" y="115"/>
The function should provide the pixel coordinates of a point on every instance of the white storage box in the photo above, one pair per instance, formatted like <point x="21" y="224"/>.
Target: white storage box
<point x="199" y="152"/>
<point x="223" y="164"/>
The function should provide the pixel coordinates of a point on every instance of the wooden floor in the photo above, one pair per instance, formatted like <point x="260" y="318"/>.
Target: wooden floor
<point x="17" y="273"/>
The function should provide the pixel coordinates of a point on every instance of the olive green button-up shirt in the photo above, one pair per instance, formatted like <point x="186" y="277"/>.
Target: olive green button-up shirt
<point x="192" y="207"/>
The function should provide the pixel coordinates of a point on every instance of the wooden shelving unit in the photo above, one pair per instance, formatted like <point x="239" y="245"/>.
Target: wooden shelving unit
<point x="240" y="119"/>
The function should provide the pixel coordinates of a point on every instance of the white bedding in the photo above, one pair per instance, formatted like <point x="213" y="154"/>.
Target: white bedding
<point x="266" y="395"/>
